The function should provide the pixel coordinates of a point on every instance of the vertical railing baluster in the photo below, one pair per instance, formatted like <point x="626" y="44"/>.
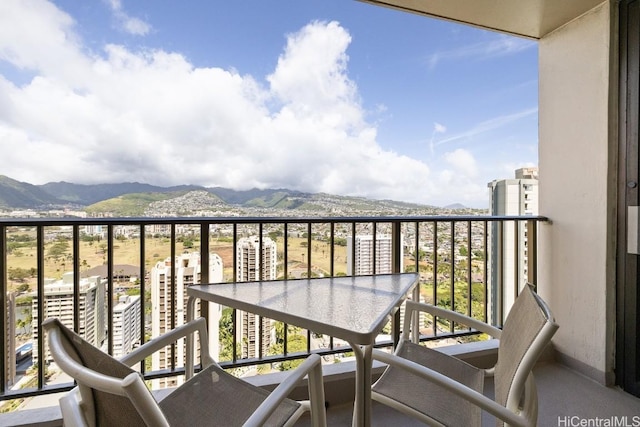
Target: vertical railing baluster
<point x="486" y="269"/>
<point x="41" y="303"/>
<point x="5" y="333"/>
<point x="309" y="272"/>
<point x="516" y="260"/>
<point x="332" y="231"/>
<point x="435" y="274"/>
<point x="143" y="291"/>
<point x="396" y="258"/>
<point x="171" y="283"/>
<point x="353" y="249"/>
<point x="110" y="250"/>
<point x="469" y="278"/>
<point x="309" y="249"/>
<point x="374" y="247"/>
<point x="532" y="252"/>
<point x="204" y="266"/>
<point x="500" y="276"/>
<point x="234" y="313"/>
<point x="261" y="267"/>
<point x="76" y="277"/>
<point x="285" y="250"/>
<point x="452" y="264"/>
<point x="415" y="322"/>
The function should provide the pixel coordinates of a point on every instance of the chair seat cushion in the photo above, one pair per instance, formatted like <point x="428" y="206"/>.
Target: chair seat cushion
<point x="214" y="397"/>
<point x="427" y="397"/>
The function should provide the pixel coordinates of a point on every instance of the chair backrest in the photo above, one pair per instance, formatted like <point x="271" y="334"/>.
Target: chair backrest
<point x="100" y="378"/>
<point x="526" y="333"/>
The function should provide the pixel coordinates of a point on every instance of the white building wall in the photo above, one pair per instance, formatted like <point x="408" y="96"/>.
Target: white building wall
<point x="249" y="266"/>
<point x="126" y="325"/>
<point x="58" y="302"/>
<point x="509" y="197"/>
<point x="578" y="142"/>
<point x="363" y="262"/>
<point x="187" y="272"/>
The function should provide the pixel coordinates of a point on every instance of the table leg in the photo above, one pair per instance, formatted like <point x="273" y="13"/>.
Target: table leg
<point x="189" y="368"/>
<point x="362" y="403"/>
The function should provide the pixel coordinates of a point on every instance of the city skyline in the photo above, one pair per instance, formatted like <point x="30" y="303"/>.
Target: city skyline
<point x="321" y="96"/>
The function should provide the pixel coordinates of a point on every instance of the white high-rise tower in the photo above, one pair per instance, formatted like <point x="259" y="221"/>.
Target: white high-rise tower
<point x="363" y="263"/>
<point x="508" y="269"/>
<point x="254" y="263"/>
<point x="58" y="302"/>
<point x="164" y="294"/>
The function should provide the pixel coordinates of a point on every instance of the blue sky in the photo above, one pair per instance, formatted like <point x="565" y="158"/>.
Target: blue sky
<point x="333" y="96"/>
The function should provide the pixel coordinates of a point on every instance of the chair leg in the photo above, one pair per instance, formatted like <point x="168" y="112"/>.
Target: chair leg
<point x="316" y="396"/>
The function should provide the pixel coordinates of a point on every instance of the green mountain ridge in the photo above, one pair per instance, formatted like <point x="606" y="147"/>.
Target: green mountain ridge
<point x="16" y="194"/>
<point x="138" y="199"/>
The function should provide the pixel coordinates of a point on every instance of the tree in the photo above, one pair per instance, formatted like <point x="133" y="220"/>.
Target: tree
<point x="226" y="335"/>
<point x="23" y="287"/>
<point x="20" y="323"/>
<point x="18" y="274"/>
<point x="463" y="250"/>
<point x="478" y="254"/>
<point x="58" y="249"/>
<point x="296" y="342"/>
<point x="275" y="234"/>
<point x="25" y="320"/>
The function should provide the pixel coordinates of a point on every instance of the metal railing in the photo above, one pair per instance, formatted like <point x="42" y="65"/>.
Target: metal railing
<point x="471" y="264"/>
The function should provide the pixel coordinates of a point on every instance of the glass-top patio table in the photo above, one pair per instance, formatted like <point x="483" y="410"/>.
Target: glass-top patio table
<point x="354" y="309"/>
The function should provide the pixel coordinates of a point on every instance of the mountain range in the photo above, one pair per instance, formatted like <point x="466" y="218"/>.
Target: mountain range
<point x="133" y="199"/>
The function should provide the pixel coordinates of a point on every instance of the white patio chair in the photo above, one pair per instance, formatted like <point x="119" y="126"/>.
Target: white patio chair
<point x="110" y="393"/>
<point x="439" y="389"/>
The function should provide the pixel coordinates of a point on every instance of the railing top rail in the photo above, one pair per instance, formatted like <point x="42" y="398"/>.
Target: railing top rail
<point x="255" y="220"/>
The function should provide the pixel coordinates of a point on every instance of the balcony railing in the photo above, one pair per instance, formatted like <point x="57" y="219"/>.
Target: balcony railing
<point x="471" y="264"/>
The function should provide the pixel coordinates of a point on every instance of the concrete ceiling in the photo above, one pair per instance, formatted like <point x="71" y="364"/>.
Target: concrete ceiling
<point x="527" y="18"/>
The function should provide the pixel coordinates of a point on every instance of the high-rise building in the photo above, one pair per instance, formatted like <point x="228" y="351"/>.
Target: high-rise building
<point x="169" y="306"/>
<point x="508" y="247"/>
<point x="126" y="324"/>
<point x="363" y="263"/>
<point x="58" y="302"/>
<point x="255" y="260"/>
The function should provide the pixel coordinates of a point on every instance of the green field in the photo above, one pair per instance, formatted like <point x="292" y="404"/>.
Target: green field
<point x="58" y="257"/>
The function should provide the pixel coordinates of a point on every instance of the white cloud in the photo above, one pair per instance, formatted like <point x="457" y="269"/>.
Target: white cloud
<point x="498" y="45"/>
<point x="462" y="161"/>
<point x="460" y="180"/>
<point x="489" y="125"/>
<point x="129" y="24"/>
<point x="36" y="36"/>
<point x="437" y="128"/>
<point x="152" y="116"/>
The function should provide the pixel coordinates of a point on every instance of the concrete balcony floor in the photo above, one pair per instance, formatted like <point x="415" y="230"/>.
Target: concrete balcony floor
<point x="562" y="395"/>
<point x="566" y="399"/>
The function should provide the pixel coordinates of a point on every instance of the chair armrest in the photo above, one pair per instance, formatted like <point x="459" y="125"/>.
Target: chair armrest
<point x="148" y="348"/>
<point x="455" y="387"/>
<point x="455" y="316"/>
<point x="311" y="366"/>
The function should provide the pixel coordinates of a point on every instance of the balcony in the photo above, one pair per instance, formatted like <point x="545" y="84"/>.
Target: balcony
<point x="463" y="260"/>
<point x="588" y="180"/>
